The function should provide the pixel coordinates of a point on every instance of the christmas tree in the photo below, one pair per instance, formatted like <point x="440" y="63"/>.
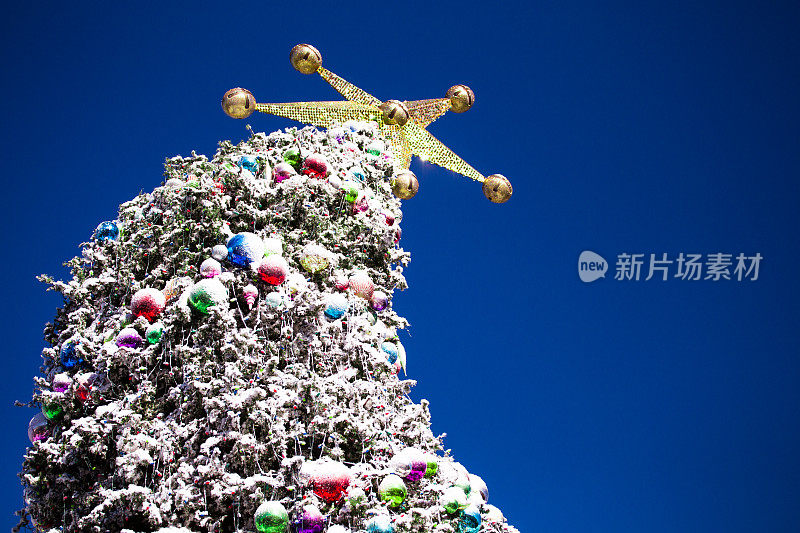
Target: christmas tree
<point x="227" y="357"/>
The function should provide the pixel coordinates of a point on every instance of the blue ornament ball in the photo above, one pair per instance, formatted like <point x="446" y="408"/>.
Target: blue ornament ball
<point x="70" y="357"/>
<point x="380" y="524"/>
<point x="391" y="351"/>
<point x="470" y="521"/>
<point x="249" y="162"/>
<point x="245" y="248"/>
<point x="106" y="231"/>
<point x="336" y="305"/>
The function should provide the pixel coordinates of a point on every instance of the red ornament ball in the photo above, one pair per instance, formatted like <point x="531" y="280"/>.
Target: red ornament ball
<point x="273" y="269"/>
<point x="330" y="480"/>
<point x="315" y="166"/>
<point x="148" y="303"/>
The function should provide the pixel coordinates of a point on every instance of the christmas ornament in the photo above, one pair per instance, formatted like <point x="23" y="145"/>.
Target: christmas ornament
<point x="271" y="517"/>
<point x="69" y="355"/>
<point x="403" y="123"/>
<point x="330" y="479"/>
<point x="238" y="103"/>
<point x="250" y="293"/>
<point x="52" y="409"/>
<point x="219" y="252"/>
<point x="61" y="382"/>
<point x="405" y="185"/>
<point x="293" y="157"/>
<point x="38" y="428"/>
<point x="310" y="520"/>
<point x="148" y="303"/>
<point x="210" y="268"/>
<point x="207" y="293"/>
<point x="129" y="338"/>
<point x="497" y="189"/>
<point x="358" y="174"/>
<point x="453" y="500"/>
<point x="283" y="171"/>
<point x="106" y="231"/>
<point x="361" y="204"/>
<point x="249" y="162"/>
<point x="154" y="332"/>
<point x="379" y="301"/>
<point x="341" y="282"/>
<point x="493" y="514"/>
<point x="245" y="248"/>
<point x="470" y="521"/>
<point x="394" y="112"/>
<point x="351" y="190"/>
<point x="432" y="465"/>
<point x="315" y="166"/>
<point x="375" y="147"/>
<point x="461" y="98"/>
<point x="314" y="258"/>
<point x="273" y="246"/>
<point x="275" y="300"/>
<point x="305" y="58"/>
<point x="336" y="305"/>
<point x="478" y="486"/>
<point x="392" y="490"/>
<point x="390" y="349"/>
<point x="409" y="463"/>
<point x="362" y="285"/>
<point x="379" y="524"/>
<point x="273" y="269"/>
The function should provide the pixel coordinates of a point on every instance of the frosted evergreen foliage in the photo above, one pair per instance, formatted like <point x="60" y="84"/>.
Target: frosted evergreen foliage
<point x="236" y="401"/>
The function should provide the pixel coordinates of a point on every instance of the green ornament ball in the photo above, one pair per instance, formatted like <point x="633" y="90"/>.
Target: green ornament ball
<point x="207" y="293"/>
<point x="154" y="332"/>
<point x="393" y="490"/>
<point x="454" y="500"/>
<point x="52" y="410"/>
<point x="292" y="156"/>
<point x="271" y="517"/>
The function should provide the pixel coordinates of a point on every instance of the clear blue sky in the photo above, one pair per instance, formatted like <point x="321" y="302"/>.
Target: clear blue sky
<point x="624" y="127"/>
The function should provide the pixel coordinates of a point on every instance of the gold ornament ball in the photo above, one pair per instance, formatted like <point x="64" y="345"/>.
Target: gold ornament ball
<point x="305" y="58"/>
<point x="405" y="185"/>
<point x="238" y="103"/>
<point x="394" y="112"/>
<point x="497" y="188"/>
<point x="461" y="98"/>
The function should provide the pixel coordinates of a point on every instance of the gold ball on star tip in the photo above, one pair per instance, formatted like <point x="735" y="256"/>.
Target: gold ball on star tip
<point x="238" y="103"/>
<point x="405" y="185"/>
<point x="394" y="112"/>
<point x="305" y="58"/>
<point x="497" y="188"/>
<point x="461" y="98"/>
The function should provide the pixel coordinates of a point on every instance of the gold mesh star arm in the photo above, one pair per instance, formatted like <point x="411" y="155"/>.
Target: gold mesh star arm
<point x="426" y="111"/>
<point x="428" y="147"/>
<point x="347" y="89"/>
<point x="322" y="114"/>
<point x="399" y="144"/>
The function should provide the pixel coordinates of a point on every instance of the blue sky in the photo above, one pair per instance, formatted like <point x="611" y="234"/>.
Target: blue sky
<point x="626" y="127"/>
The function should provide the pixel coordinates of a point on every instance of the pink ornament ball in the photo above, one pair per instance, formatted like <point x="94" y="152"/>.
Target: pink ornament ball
<point x="379" y="301"/>
<point x="148" y="303"/>
<point x="273" y="269"/>
<point x="362" y="285"/>
<point x="283" y="171"/>
<point x="341" y="282"/>
<point x="38" y="428"/>
<point x="210" y="268"/>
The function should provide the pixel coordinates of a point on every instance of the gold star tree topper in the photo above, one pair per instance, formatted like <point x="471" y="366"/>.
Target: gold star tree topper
<point x="402" y="123"/>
